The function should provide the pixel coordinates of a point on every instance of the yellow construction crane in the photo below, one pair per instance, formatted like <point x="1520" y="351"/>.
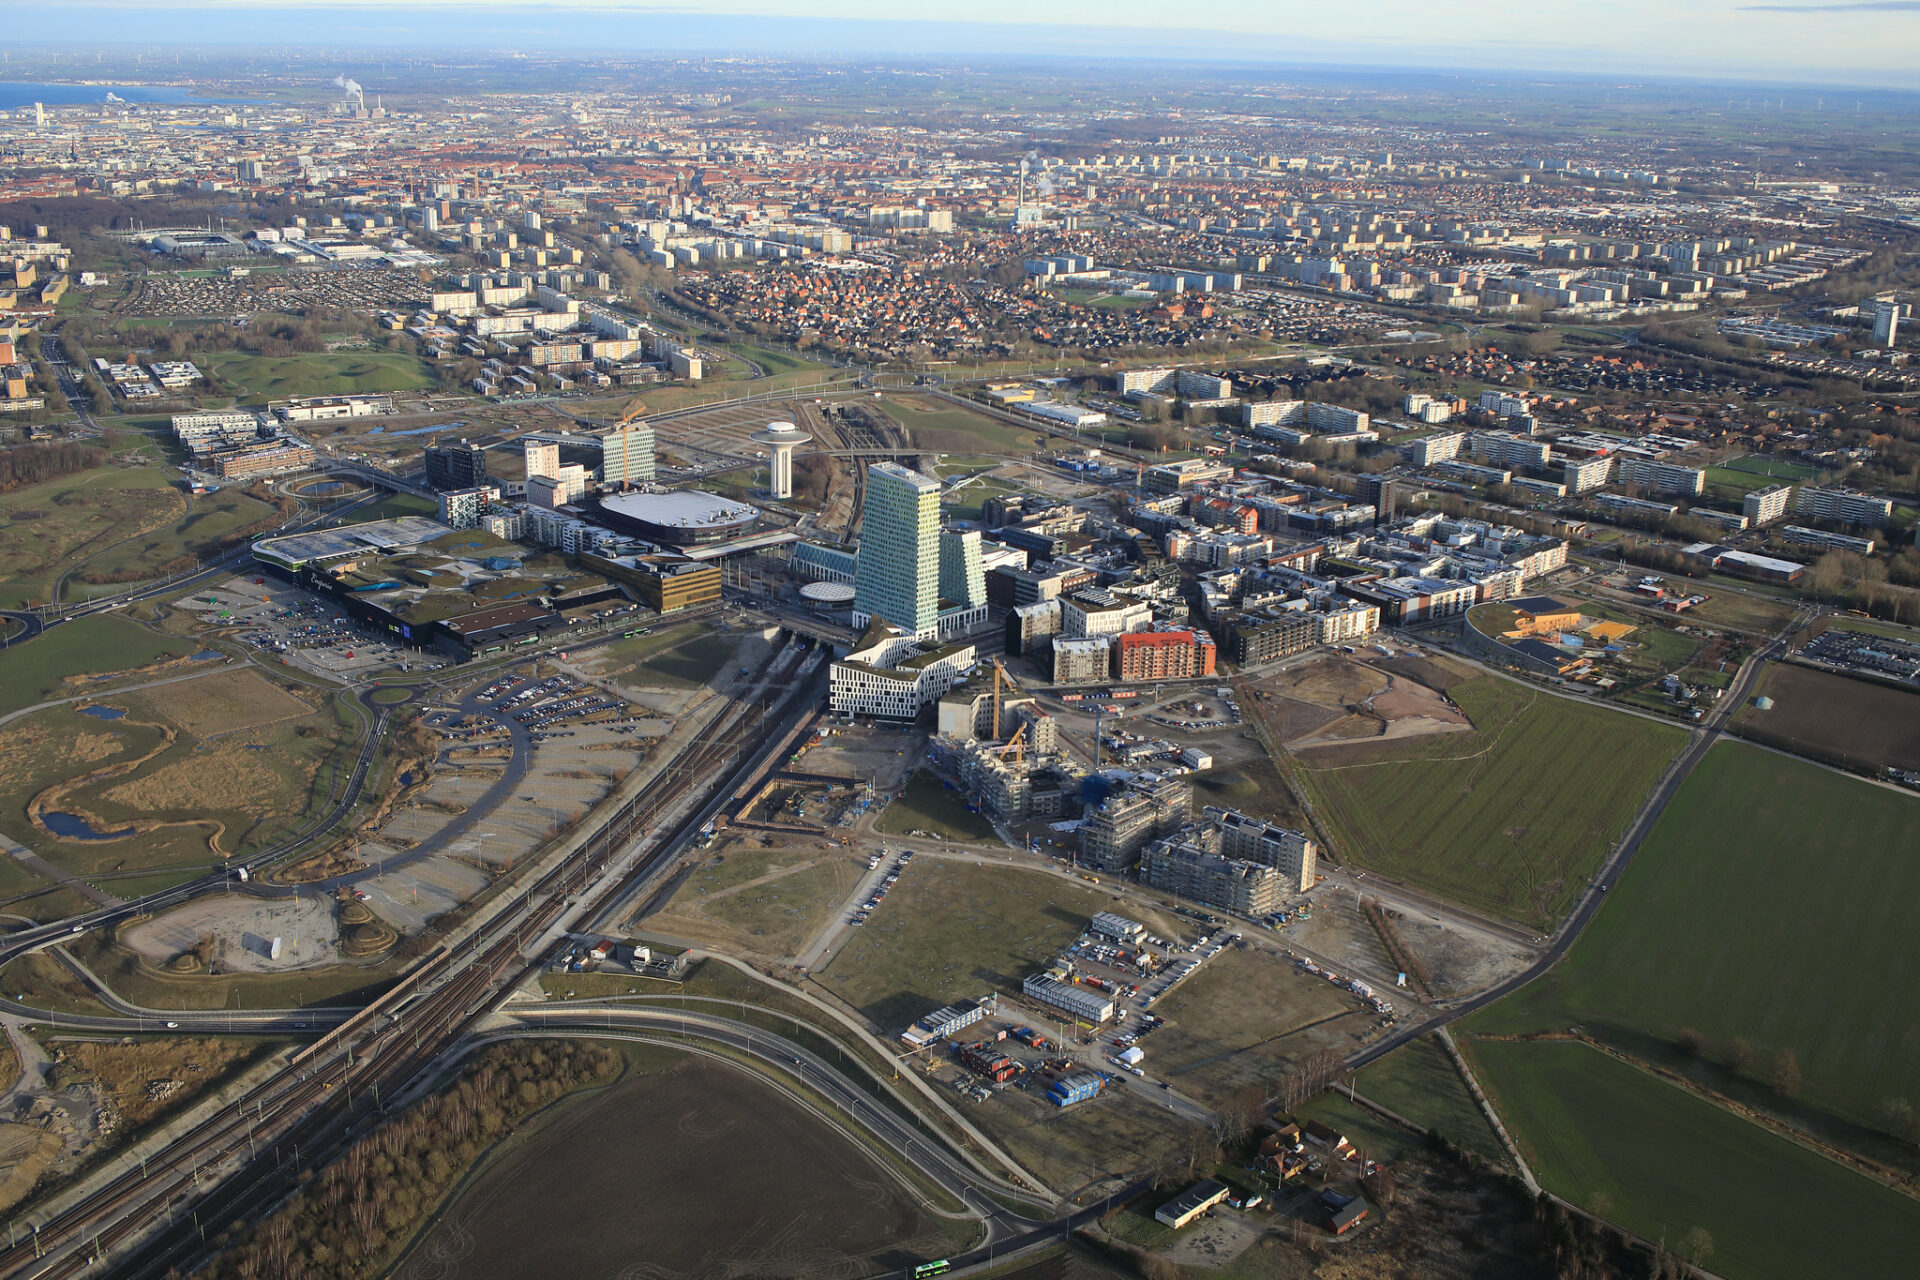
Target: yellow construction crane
<point x="1017" y="745"/>
<point x="636" y="408"/>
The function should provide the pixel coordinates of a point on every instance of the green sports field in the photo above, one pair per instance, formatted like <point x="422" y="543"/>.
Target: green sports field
<point x="254" y="378"/>
<point x="1773" y="901"/>
<point x="1513" y="817"/>
<point x="1662" y="1163"/>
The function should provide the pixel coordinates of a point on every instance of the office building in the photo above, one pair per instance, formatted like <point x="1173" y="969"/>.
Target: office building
<point x="897" y="574"/>
<point x="1844" y="505"/>
<point x="892" y="674"/>
<point x="963" y="579"/>
<point x="1764" y="506"/>
<point x="626" y="456"/>
<point x="459" y="465"/>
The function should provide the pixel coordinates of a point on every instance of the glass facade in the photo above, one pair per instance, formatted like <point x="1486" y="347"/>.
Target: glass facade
<point x="897" y="575"/>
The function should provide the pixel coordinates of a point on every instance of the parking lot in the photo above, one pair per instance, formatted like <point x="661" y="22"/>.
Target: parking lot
<point x="358" y="288"/>
<point x="1875" y="655"/>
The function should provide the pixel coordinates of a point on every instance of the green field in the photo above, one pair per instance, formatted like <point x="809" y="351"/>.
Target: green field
<point x="1513" y="817"/>
<point x="951" y="429"/>
<point x="1661" y="1162"/>
<point x="256" y="378"/>
<point x="927" y="804"/>
<point x="682" y="657"/>
<point x="49" y="529"/>
<point x="1773" y="901"/>
<point x="39" y="669"/>
<point x="1770" y="468"/>
<point x="954" y="930"/>
<point x="1419" y="1081"/>
<point x="212" y="519"/>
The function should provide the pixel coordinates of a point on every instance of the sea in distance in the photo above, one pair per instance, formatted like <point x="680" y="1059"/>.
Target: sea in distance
<point x="15" y="94"/>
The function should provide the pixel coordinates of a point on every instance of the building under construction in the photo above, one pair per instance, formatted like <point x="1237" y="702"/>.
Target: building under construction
<point x="1148" y="808"/>
<point x="1003" y="749"/>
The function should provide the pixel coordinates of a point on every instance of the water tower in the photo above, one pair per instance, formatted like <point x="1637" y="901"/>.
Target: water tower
<point x="781" y="439"/>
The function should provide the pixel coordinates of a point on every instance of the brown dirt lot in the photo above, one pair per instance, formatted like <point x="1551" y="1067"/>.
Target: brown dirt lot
<point x="225" y="703"/>
<point x="1330" y="682"/>
<point x="1859" y="723"/>
<point x="149" y="1078"/>
<point x="1244" y="1019"/>
<point x="1435" y="673"/>
<point x="755" y="1186"/>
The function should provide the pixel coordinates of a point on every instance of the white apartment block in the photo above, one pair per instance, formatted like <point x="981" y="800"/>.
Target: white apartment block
<point x="1443" y="447"/>
<point x="1844" y="505"/>
<point x="1509" y="451"/>
<point x="1660" y="477"/>
<point x="1311" y="414"/>
<point x="1584" y="475"/>
<point x="1764" y="506"/>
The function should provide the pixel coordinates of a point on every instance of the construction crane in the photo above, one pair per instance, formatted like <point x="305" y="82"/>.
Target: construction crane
<point x="999" y="673"/>
<point x="1017" y="744"/>
<point x="636" y="408"/>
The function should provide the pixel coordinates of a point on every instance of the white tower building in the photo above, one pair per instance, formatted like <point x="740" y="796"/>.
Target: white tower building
<point x="781" y="439"/>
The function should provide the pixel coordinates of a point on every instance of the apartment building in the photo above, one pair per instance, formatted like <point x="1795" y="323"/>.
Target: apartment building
<point x="1163" y="655"/>
<point x="1844" y="505"/>
<point x="1191" y="872"/>
<point x="1115" y="831"/>
<point x="1659" y="477"/>
<point x="1764" y="506"/>
<point x="1443" y="446"/>
<point x="1291" y="853"/>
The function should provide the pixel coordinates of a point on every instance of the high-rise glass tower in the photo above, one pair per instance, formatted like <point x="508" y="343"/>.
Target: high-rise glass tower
<point x="963" y="578"/>
<point x="897" y="573"/>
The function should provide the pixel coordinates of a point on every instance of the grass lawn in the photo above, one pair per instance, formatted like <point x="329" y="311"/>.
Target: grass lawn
<point x="769" y="901"/>
<point x="1769" y="468"/>
<point x="48" y="529"/>
<point x="1662" y="1162"/>
<point x="259" y="378"/>
<point x="393" y="506"/>
<point x="1378" y="1138"/>
<point x="935" y="424"/>
<point x="1240" y="1023"/>
<point x="133" y="979"/>
<point x="682" y="657"/>
<point x="1419" y="1081"/>
<point x="927" y="804"/>
<point x="1718" y="926"/>
<point x="778" y="362"/>
<point x="212" y="518"/>
<point x="953" y="930"/>
<point x="1513" y="817"/>
<point x="41" y="668"/>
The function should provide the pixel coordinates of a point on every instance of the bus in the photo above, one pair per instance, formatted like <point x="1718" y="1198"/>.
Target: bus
<point x="931" y="1269"/>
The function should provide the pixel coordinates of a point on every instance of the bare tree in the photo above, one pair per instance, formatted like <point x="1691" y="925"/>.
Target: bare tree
<point x="1786" y="1074"/>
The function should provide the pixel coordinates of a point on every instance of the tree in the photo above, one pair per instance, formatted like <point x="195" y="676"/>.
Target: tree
<point x="1897" y="1118"/>
<point x="1739" y="1055"/>
<point x="1786" y="1074"/>
<point x="1690" y="1042"/>
<point x="1697" y="1246"/>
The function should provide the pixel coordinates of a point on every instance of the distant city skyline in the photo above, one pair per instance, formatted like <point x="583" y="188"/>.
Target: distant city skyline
<point x="1870" y="42"/>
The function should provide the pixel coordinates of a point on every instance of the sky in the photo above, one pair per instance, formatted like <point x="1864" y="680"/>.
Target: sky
<point x="1868" y="42"/>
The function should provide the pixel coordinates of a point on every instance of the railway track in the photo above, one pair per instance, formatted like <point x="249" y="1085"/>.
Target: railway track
<point x="164" y="1213"/>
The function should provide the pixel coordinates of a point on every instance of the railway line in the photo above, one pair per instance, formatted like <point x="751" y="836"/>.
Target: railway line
<point x="163" y="1214"/>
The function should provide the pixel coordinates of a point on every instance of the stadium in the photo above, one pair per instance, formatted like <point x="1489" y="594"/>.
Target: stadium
<point x="685" y="518"/>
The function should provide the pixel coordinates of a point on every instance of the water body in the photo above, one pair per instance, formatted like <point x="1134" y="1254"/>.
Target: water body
<point x="208" y="655"/>
<point x="103" y="713"/>
<point x="325" y="486"/>
<point x="75" y="827"/>
<point x="22" y="93"/>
